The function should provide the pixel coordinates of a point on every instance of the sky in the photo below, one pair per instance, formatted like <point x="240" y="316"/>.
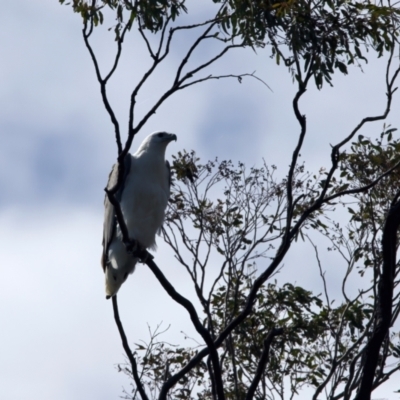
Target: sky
<point x="58" y="338"/>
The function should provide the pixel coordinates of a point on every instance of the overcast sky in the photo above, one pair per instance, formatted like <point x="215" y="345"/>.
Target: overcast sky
<point x="58" y="338"/>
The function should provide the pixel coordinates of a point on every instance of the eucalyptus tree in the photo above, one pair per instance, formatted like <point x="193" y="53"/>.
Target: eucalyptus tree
<point x="259" y="339"/>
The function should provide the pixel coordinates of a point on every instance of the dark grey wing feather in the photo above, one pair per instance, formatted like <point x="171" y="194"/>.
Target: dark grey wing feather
<point x="169" y="187"/>
<point x="109" y="213"/>
<point x="169" y="173"/>
<point x="109" y="216"/>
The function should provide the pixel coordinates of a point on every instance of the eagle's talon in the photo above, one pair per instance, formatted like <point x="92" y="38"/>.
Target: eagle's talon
<point x="132" y="247"/>
<point x="144" y="256"/>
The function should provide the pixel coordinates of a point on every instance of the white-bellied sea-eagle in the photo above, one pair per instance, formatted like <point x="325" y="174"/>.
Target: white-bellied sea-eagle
<point x="143" y="197"/>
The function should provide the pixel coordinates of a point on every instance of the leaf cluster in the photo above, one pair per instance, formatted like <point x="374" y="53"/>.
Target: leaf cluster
<point x="368" y="159"/>
<point x="151" y="15"/>
<point x="304" y="352"/>
<point x="325" y="35"/>
<point x="314" y="38"/>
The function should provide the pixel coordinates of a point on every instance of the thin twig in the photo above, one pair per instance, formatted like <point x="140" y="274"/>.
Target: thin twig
<point x="321" y="273"/>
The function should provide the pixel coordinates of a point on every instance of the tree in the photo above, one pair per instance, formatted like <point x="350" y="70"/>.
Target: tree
<point x="260" y="338"/>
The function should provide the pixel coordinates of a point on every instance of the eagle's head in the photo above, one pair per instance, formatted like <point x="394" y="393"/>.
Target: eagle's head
<point x="156" y="141"/>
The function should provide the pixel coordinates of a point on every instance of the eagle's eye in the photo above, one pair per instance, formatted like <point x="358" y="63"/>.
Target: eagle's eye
<point x="160" y="135"/>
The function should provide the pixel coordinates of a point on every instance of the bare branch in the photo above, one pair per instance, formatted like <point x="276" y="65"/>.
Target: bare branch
<point x="321" y="273"/>
<point x="217" y="77"/>
<point x="197" y="324"/>
<point x="103" y="83"/>
<point x="127" y="349"/>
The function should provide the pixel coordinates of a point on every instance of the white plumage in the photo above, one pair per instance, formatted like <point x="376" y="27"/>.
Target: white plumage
<point x="143" y="197"/>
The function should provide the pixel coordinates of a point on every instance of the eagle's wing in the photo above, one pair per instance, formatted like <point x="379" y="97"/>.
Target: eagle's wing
<point x="110" y="220"/>
<point x="159" y="230"/>
<point x="169" y="174"/>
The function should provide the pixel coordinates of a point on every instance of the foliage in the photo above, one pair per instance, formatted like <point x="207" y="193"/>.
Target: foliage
<point x="152" y="15"/>
<point x="262" y="338"/>
<point x="321" y="344"/>
<point x="367" y="161"/>
<point x="325" y="35"/>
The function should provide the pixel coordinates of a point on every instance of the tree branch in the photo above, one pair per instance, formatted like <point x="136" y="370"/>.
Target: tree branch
<point x="385" y="300"/>
<point x="262" y="362"/>
<point x="127" y="349"/>
<point x="197" y="324"/>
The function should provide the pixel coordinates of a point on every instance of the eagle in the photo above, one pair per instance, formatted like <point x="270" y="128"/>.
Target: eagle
<point x="143" y="197"/>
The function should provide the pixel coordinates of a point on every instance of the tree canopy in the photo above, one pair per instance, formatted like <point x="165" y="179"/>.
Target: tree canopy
<point x="262" y="339"/>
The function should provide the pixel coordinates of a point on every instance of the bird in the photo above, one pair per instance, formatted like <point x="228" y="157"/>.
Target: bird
<point x="143" y="198"/>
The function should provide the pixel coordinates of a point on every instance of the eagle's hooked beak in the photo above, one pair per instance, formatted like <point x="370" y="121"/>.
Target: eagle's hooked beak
<point x="173" y="137"/>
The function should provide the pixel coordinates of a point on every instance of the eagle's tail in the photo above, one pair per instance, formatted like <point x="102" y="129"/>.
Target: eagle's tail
<point x="116" y="276"/>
